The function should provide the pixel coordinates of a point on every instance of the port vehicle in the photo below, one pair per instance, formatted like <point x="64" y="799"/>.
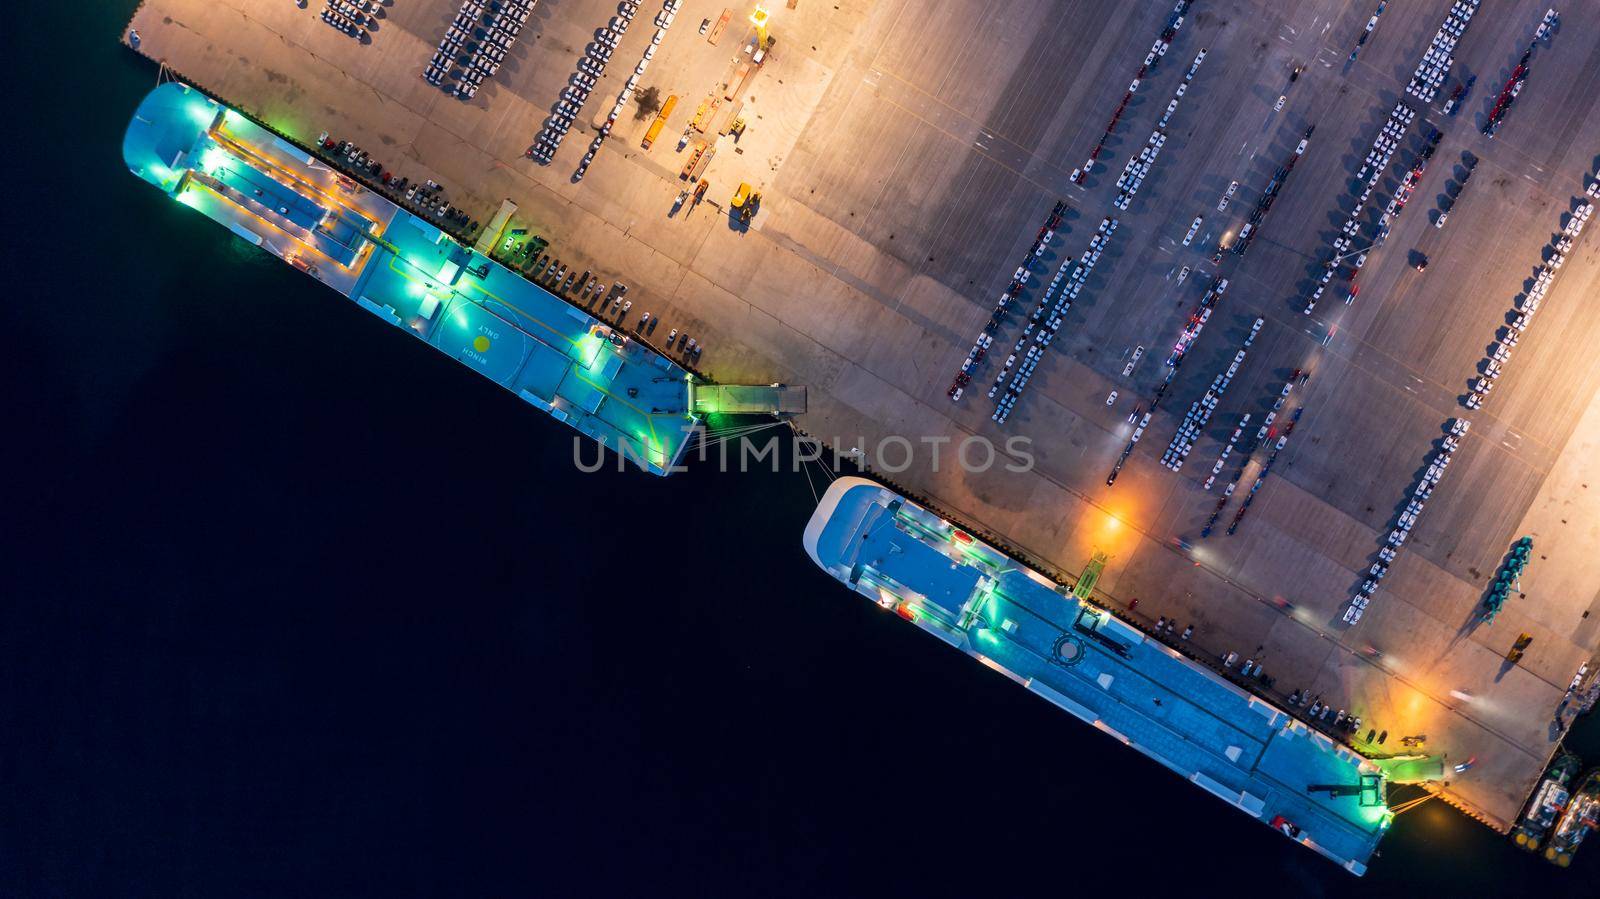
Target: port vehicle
<point x="705" y="25"/>
<point x="1194" y="228"/>
<point x="1582" y="815"/>
<point x="1233" y="188"/>
<point x="744" y="202"/>
<point x="671" y="337"/>
<point x="660" y="122"/>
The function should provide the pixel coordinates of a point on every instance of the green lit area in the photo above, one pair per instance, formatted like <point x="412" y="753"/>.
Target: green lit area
<point x="1057" y="644"/>
<point x="412" y="275"/>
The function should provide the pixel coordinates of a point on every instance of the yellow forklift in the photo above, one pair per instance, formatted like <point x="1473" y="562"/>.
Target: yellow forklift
<point x="744" y="203"/>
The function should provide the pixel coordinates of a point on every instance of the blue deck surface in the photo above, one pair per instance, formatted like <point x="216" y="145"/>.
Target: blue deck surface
<point x="1208" y="731"/>
<point x="410" y="274"/>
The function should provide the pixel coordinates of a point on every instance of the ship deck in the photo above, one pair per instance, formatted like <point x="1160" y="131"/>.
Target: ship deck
<point x="1147" y="696"/>
<point x="407" y="272"/>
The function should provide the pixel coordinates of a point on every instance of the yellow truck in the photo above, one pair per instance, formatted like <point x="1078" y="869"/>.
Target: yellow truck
<point x="705" y="113"/>
<point x="745" y="201"/>
<point x="661" y="120"/>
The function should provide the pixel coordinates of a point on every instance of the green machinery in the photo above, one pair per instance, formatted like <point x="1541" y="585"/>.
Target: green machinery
<point x="1091" y="576"/>
<point x="1507" y="577"/>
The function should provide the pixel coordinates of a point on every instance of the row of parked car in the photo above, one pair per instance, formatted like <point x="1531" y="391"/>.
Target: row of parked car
<point x="1157" y="51"/>
<point x="1372" y="169"/>
<point x="1519" y="75"/>
<point x="1263" y="433"/>
<point x="1261" y="476"/>
<point x="1134" y="172"/>
<point x="669" y="11"/>
<point x="1191" y="332"/>
<point x="1046" y="320"/>
<point x="591" y="65"/>
<point x="1500" y="351"/>
<point x="1408" y="186"/>
<point x="1227" y="450"/>
<point x="1407" y="519"/>
<point x="1279" y="177"/>
<point x="980" y="346"/>
<point x="1499" y="354"/>
<point x="1434" y="67"/>
<point x="1454" y="194"/>
<point x="1200" y="411"/>
<point x="351" y="17"/>
<point x="1183" y="88"/>
<point x="1197" y="321"/>
<point x="1137" y="167"/>
<point x="1367" y="32"/>
<point x="475" y="45"/>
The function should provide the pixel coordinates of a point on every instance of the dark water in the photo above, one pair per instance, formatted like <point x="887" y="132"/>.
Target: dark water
<point x="293" y="606"/>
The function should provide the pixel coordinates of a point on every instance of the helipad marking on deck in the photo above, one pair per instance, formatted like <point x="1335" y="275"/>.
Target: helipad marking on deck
<point x="480" y="343"/>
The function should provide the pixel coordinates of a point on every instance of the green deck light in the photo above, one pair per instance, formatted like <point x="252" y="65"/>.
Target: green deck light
<point x="588" y="349"/>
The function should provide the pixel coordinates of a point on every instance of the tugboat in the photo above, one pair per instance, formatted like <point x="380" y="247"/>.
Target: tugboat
<point x="1582" y="816"/>
<point x="1548" y="802"/>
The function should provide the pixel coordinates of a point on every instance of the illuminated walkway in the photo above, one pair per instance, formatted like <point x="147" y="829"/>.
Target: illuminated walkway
<point x="412" y="275"/>
<point x="1241" y="749"/>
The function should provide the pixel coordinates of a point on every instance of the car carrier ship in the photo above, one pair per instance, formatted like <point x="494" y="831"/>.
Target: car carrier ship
<point x="407" y="272"/>
<point x="1058" y="644"/>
